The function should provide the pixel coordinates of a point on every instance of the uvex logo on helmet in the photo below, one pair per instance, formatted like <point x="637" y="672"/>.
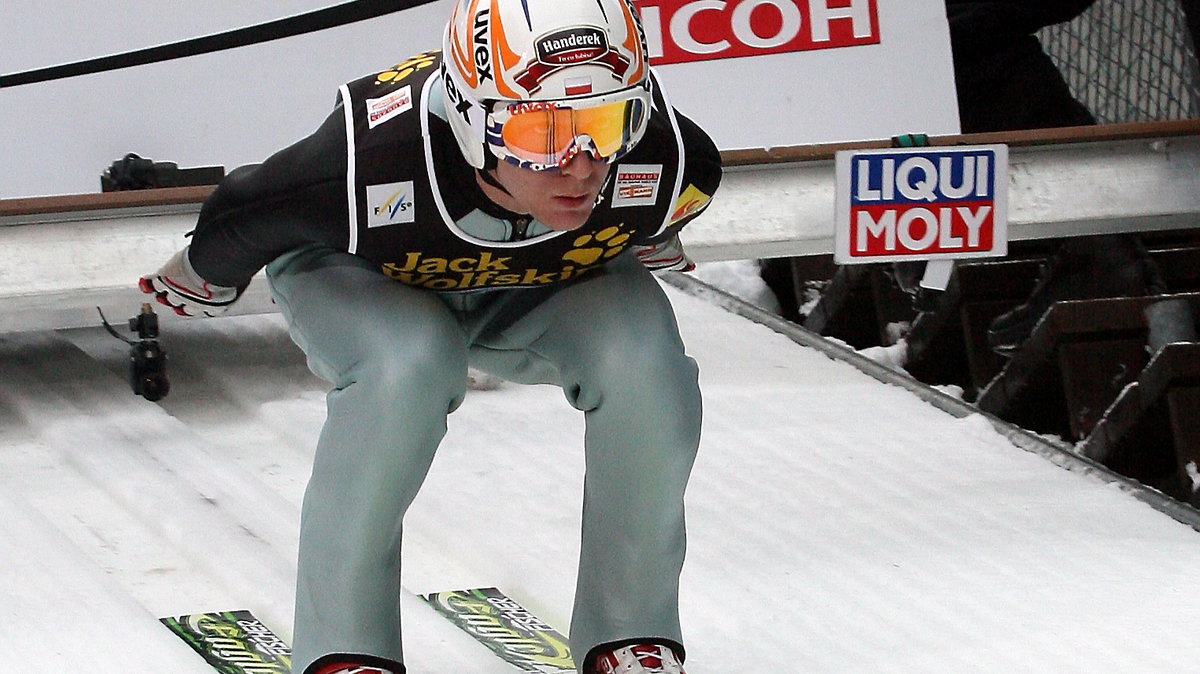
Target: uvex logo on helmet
<point x="470" y="41"/>
<point x="573" y="45"/>
<point x="482" y="55"/>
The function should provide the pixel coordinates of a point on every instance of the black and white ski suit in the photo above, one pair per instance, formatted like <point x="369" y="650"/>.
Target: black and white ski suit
<point x="395" y="272"/>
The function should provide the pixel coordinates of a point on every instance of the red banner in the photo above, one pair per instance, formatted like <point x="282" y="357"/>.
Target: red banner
<point x="679" y="31"/>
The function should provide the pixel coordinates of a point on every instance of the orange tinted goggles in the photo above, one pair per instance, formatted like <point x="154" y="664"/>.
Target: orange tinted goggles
<point x="549" y="134"/>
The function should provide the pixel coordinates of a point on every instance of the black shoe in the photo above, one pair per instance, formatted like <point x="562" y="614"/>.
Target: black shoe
<point x="1084" y="268"/>
<point x="907" y="277"/>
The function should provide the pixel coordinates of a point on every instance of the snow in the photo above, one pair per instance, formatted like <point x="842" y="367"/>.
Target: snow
<point x="740" y="278"/>
<point x="836" y="523"/>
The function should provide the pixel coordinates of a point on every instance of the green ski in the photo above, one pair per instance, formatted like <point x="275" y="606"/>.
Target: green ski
<point x="233" y="642"/>
<point x="507" y="628"/>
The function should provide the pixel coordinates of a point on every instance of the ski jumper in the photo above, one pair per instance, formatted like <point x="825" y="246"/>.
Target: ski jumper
<point x="394" y="273"/>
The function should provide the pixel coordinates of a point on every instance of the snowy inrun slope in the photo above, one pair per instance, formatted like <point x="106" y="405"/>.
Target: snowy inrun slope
<point x="837" y="524"/>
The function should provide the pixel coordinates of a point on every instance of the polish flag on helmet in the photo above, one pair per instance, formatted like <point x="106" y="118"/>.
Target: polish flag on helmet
<point x="578" y="86"/>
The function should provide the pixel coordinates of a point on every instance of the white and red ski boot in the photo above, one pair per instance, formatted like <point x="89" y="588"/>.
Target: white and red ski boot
<point x="638" y="659"/>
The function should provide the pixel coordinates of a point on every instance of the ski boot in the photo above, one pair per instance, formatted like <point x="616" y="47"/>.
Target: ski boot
<point x="638" y="659"/>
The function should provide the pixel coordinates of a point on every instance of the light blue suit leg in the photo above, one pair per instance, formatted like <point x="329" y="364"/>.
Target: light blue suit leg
<point x="397" y="360"/>
<point x="613" y="344"/>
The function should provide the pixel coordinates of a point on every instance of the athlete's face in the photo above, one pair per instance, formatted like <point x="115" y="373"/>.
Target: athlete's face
<point x="561" y="198"/>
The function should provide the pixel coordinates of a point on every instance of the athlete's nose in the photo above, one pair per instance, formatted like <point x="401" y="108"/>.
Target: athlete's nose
<point x="582" y="166"/>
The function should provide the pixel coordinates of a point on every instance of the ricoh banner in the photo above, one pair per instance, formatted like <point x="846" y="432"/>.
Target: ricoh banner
<point x="702" y="30"/>
<point x="769" y="73"/>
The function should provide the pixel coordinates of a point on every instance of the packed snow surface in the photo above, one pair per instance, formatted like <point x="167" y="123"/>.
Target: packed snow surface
<point x="837" y="524"/>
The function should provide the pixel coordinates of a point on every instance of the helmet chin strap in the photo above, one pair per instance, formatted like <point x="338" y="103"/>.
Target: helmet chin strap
<point x="487" y="173"/>
<point x="488" y="177"/>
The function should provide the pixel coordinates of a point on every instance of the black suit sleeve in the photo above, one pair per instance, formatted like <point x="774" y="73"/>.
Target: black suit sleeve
<point x="702" y="170"/>
<point x="260" y="211"/>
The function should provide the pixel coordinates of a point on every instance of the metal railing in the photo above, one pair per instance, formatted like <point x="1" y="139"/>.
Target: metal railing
<point x="1129" y="60"/>
<point x="776" y="203"/>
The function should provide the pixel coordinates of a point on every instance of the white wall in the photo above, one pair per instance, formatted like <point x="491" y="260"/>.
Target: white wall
<point x="228" y="108"/>
<point x="235" y="107"/>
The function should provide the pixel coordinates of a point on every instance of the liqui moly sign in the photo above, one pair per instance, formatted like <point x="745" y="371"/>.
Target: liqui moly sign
<point x="921" y="204"/>
<point x="679" y="31"/>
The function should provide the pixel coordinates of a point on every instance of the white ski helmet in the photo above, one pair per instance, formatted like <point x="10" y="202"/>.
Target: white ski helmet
<point x="537" y="81"/>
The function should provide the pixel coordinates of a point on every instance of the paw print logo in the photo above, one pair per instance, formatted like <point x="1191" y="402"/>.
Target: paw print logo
<point x="406" y="68"/>
<point x="591" y="248"/>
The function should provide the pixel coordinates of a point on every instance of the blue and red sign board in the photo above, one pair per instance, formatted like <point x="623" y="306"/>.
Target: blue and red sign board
<point x="921" y="203"/>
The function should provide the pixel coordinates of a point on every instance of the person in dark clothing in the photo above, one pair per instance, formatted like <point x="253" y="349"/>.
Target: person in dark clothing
<point x="1007" y="82"/>
<point x="1004" y="77"/>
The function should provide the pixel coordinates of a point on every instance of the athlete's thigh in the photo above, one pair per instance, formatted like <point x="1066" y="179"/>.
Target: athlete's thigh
<point x="620" y="313"/>
<point x="341" y="311"/>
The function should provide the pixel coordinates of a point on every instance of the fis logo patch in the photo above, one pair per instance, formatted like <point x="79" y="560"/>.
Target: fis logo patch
<point x="391" y="204"/>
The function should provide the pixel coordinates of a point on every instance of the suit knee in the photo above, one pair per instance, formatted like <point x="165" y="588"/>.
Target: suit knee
<point x="412" y="361"/>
